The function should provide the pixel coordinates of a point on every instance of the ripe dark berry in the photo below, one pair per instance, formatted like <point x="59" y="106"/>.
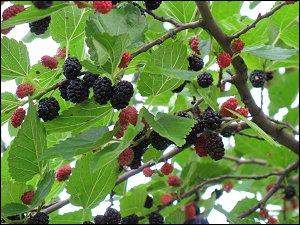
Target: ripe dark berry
<point x="100" y="219"/>
<point x="289" y="192"/>
<point x="39" y="218"/>
<point x="136" y="162"/>
<point x="211" y="120"/>
<point x="214" y="146"/>
<point x="180" y="88"/>
<point x="199" y="146"/>
<point x="40" y="26"/>
<point x="27" y="197"/>
<point x="205" y="79"/>
<point x="194" y="41"/>
<point x="17" y="117"/>
<point x="48" y="108"/>
<point x="128" y="115"/>
<point x="125" y="60"/>
<point x="167" y="168"/>
<point x="183" y="114"/>
<point x="49" y="62"/>
<point x="227" y="186"/>
<point x="122" y="94"/>
<point x="148" y="172"/>
<point x="224" y="60"/>
<point x="89" y="79"/>
<point x="126" y="157"/>
<point x="156" y="218"/>
<point x="71" y="68"/>
<point x="231" y="104"/>
<point x="63" y="89"/>
<point x="192" y="136"/>
<point x="61" y="53"/>
<point x="24" y="89"/>
<point x="237" y="46"/>
<point x="102" y="6"/>
<point x="77" y="91"/>
<point x="11" y="11"/>
<point x="152" y="5"/>
<point x="174" y="181"/>
<point x="103" y="90"/>
<point x="159" y="142"/>
<point x="257" y="78"/>
<point x="148" y="202"/>
<point x="195" y="63"/>
<point x="63" y="173"/>
<point x="131" y="219"/>
<point x="269" y="75"/>
<point x="112" y="216"/>
<point x="42" y="4"/>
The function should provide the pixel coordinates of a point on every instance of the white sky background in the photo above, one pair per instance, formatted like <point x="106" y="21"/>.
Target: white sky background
<point x="40" y="47"/>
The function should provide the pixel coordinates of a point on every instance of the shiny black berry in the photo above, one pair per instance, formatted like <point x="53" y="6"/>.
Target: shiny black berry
<point x="148" y="202"/>
<point x="63" y="89"/>
<point x="103" y="90"/>
<point x="77" y="91"/>
<point x="152" y="5"/>
<point x="195" y="63"/>
<point x="131" y="219"/>
<point x="39" y="218"/>
<point x="48" y="108"/>
<point x="71" y="68"/>
<point x="257" y="78"/>
<point x="122" y="94"/>
<point x="180" y="88"/>
<point x="159" y="142"/>
<point x="289" y="192"/>
<point x="100" y="219"/>
<point x="183" y="114"/>
<point x="42" y="4"/>
<point x="89" y="79"/>
<point x="211" y="120"/>
<point x="156" y="218"/>
<point x="214" y="146"/>
<point x="40" y="26"/>
<point x="112" y="216"/>
<point x="205" y="79"/>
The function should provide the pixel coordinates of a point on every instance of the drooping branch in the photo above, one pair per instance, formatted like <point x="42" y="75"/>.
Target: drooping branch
<point x="240" y="81"/>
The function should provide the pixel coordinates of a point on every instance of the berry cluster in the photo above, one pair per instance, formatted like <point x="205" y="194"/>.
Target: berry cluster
<point x="111" y="216"/>
<point x="40" y="26"/>
<point x="102" y="7"/>
<point x="224" y="60"/>
<point x="39" y="218"/>
<point x="232" y="104"/>
<point x="237" y="46"/>
<point x="11" y="12"/>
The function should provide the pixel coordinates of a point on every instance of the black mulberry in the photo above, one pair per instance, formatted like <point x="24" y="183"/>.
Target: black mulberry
<point x="48" y="108"/>
<point x="42" y="4"/>
<point x="40" y="26"/>
<point x="39" y="218"/>
<point x="183" y="114"/>
<point x="195" y="62"/>
<point x="71" y="68"/>
<point x="205" y="80"/>
<point x="77" y="91"/>
<point x="112" y="216"/>
<point x="100" y="219"/>
<point x="89" y="79"/>
<point x="211" y="120"/>
<point x="122" y="94"/>
<point x="152" y="5"/>
<point x="214" y="146"/>
<point x="148" y="202"/>
<point x="180" y="88"/>
<point x="131" y="219"/>
<point x="159" y="142"/>
<point x="156" y="218"/>
<point x="103" y="90"/>
<point x="257" y="78"/>
<point x="289" y="192"/>
<point x="63" y="90"/>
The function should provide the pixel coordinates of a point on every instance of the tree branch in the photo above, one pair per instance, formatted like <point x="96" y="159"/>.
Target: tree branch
<point x="251" y="136"/>
<point x="286" y="124"/>
<point x="240" y="82"/>
<point x="246" y="161"/>
<point x="162" y="19"/>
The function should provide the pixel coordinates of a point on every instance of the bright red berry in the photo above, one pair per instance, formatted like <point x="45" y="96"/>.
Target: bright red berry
<point x="63" y="173"/>
<point x="174" y="181"/>
<point x="125" y="60"/>
<point x="243" y="111"/>
<point x="199" y="146"/>
<point x="128" y="115"/>
<point x="264" y="214"/>
<point x="272" y="220"/>
<point x="237" y="46"/>
<point x="24" y="89"/>
<point x="148" y="172"/>
<point x="61" y="53"/>
<point x="49" y="62"/>
<point x="11" y="12"/>
<point x="166" y="198"/>
<point x="190" y="211"/>
<point x="194" y="41"/>
<point x="79" y="4"/>
<point x="126" y="157"/>
<point x="27" y="197"/>
<point x="17" y="117"/>
<point x="268" y="188"/>
<point x="231" y="104"/>
<point x="167" y="168"/>
<point x="224" y="60"/>
<point x="120" y="133"/>
<point x="102" y="6"/>
<point x="227" y="186"/>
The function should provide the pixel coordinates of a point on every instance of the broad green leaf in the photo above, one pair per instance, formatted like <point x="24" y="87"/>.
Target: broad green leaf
<point x="222" y="10"/>
<point x="176" y="217"/>
<point x="67" y="25"/>
<point x="43" y="189"/>
<point x="80" y="117"/>
<point x="33" y="14"/>
<point x="270" y="52"/>
<point x="204" y="47"/>
<point x="8" y="101"/>
<point x="206" y="95"/>
<point x="11" y="192"/>
<point x="13" y="209"/>
<point x="243" y="206"/>
<point x="5" y="176"/>
<point x="126" y="20"/>
<point x="256" y="128"/>
<point x="291" y="36"/>
<point x="14" y="59"/>
<point x="27" y="148"/>
<point x="167" y="125"/>
<point x="71" y="218"/>
<point x="286" y="16"/>
<point x="152" y="154"/>
<point x="133" y="201"/>
<point x="209" y="204"/>
<point x="88" y="188"/>
<point x="80" y="144"/>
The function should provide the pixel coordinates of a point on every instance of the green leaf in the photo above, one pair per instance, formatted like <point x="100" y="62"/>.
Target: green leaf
<point x="243" y="206"/>
<point x="27" y="148"/>
<point x="13" y="209"/>
<point x="152" y="154"/>
<point x="223" y="10"/>
<point x="80" y="117"/>
<point x="256" y="128"/>
<point x="43" y="189"/>
<point x="33" y="14"/>
<point x="270" y="52"/>
<point x="176" y="217"/>
<point x="126" y="20"/>
<point x="291" y="36"/>
<point x="204" y="47"/>
<point x="133" y="201"/>
<point x="5" y="176"/>
<point x="88" y="188"/>
<point x="167" y="125"/>
<point x="8" y="101"/>
<point x="67" y="25"/>
<point x="14" y="59"/>
<point x="70" y="218"/>
<point x="80" y="144"/>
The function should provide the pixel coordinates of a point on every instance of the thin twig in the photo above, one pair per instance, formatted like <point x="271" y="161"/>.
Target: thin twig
<point x="195" y="106"/>
<point x="162" y="19"/>
<point x="246" y="161"/>
<point x="251" y="136"/>
<point x="288" y="125"/>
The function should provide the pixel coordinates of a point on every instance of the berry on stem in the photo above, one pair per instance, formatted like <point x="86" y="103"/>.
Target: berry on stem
<point x="80" y="5"/>
<point x="190" y="211"/>
<point x="131" y="219"/>
<point x="159" y="142"/>
<point x="11" y="11"/>
<point x="231" y="104"/>
<point x="195" y="63"/>
<point x="224" y="60"/>
<point x="237" y="46"/>
<point x="272" y="220"/>
<point x="100" y="219"/>
<point x="77" y="91"/>
<point x="102" y="6"/>
<point x="148" y="172"/>
<point x="194" y="41"/>
<point x="205" y="80"/>
<point x="125" y="60"/>
<point x="39" y="218"/>
<point x="243" y="112"/>
<point x="40" y="26"/>
<point x="211" y="120"/>
<point x="166" y="198"/>
<point x="17" y="117"/>
<point x="148" y="202"/>
<point x="214" y="146"/>
<point x="103" y="90"/>
<point x="61" y="53"/>
<point x="227" y="186"/>
<point x="71" y="68"/>
<point x="156" y="218"/>
<point x="27" y="197"/>
<point x="289" y="192"/>
<point x="199" y="146"/>
<point x="122" y="94"/>
<point x="257" y="78"/>
<point x="126" y="157"/>
<point x="167" y="168"/>
<point x="49" y="62"/>
<point x="24" y="90"/>
<point x="112" y="216"/>
<point x="42" y="4"/>
<point x="128" y="115"/>
<point x="152" y="5"/>
<point x="63" y="173"/>
<point x="263" y="213"/>
<point x="89" y="79"/>
<point x="174" y="181"/>
<point x="48" y="108"/>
